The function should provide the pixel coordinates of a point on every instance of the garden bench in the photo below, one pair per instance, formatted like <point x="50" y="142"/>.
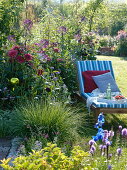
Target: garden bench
<point x="96" y="106"/>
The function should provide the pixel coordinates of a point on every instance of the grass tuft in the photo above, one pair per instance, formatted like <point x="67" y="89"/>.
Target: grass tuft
<point x="46" y="119"/>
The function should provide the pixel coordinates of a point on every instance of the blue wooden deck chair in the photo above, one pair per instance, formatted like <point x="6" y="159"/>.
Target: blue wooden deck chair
<point x="98" y="107"/>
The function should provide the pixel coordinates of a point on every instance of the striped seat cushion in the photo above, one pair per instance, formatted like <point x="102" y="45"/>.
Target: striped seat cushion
<point x="104" y="104"/>
<point x="109" y="105"/>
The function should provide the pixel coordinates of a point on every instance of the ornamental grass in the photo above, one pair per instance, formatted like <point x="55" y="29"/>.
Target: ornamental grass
<point x="46" y="119"/>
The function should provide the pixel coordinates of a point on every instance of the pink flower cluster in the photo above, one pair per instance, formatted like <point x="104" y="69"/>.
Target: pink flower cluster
<point x="121" y="35"/>
<point x="18" y="54"/>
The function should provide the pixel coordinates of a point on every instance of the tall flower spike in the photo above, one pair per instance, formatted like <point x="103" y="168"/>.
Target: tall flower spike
<point x="101" y="134"/>
<point x="119" y="151"/>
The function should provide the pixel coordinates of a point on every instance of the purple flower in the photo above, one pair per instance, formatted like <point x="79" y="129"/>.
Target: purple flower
<point x="11" y="38"/>
<point x="45" y="43"/>
<point x="5" y="88"/>
<point x="105" y="137"/>
<point x="92" y="142"/>
<point x="77" y="37"/>
<point x="110" y="155"/>
<point x="28" y="23"/>
<point x="92" y="152"/>
<point x="42" y="52"/>
<point x="56" y="72"/>
<point x="104" y="146"/>
<point x="83" y="18"/>
<point x="36" y="44"/>
<point x="109" y="167"/>
<point x="62" y="29"/>
<point x="52" y="68"/>
<point x="105" y="131"/>
<point x="101" y="147"/>
<point x="48" y="89"/>
<point x="111" y="133"/>
<point x="55" y="78"/>
<point x="124" y="132"/>
<point x="38" y="145"/>
<point x="93" y="148"/>
<point x="120" y="128"/>
<point x="108" y="143"/>
<point x="119" y="151"/>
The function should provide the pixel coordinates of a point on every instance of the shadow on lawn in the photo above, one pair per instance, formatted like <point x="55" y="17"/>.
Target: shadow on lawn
<point x="87" y="128"/>
<point x="114" y="120"/>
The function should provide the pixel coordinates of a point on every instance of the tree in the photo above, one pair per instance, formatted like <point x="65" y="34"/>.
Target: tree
<point x="91" y="10"/>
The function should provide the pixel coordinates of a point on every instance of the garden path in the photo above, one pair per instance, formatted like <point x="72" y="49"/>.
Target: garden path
<point x="5" y="145"/>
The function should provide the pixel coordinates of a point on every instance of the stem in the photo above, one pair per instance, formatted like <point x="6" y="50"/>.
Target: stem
<point x="26" y="8"/>
<point x="107" y="151"/>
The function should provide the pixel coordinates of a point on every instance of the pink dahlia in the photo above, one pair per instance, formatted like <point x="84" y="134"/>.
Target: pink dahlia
<point x="40" y="72"/>
<point x="59" y="59"/>
<point x="28" y="57"/>
<point x="15" y="48"/>
<point x="48" y="59"/>
<point x="56" y="50"/>
<point x="12" y="53"/>
<point x="20" y="59"/>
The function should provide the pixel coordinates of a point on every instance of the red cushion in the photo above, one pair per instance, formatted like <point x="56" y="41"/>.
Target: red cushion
<point x="89" y="84"/>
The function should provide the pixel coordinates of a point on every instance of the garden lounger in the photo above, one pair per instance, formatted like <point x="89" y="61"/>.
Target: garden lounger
<point x="96" y="106"/>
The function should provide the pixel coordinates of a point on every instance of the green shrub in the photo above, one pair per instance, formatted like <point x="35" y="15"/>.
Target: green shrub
<point x="121" y="49"/>
<point x="4" y="123"/>
<point x="106" y="41"/>
<point x="49" y="120"/>
<point x="23" y="75"/>
<point x="50" y="158"/>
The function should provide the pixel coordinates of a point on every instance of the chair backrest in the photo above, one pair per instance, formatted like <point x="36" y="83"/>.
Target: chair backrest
<point x="92" y="65"/>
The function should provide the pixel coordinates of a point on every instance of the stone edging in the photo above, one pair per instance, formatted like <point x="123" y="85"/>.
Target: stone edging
<point x="15" y="143"/>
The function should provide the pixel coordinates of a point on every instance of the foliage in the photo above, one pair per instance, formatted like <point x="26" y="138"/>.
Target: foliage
<point x="91" y="12"/>
<point x="50" y="157"/>
<point x="61" y="43"/>
<point x="48" y="120"/>
<point x="5" y="117"/>
<point x="121" y="43"/>
<point x="107" y="41"/>
<point x="35" y="79"/>
<point x="117" y="20"/>
<point x="9" y="19"/>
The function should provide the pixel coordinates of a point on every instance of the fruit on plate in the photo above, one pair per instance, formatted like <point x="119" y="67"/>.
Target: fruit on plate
<point x="119" y="97"/>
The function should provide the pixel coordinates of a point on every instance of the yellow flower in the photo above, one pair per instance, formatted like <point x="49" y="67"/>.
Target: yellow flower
<point x="14" y="80"/>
